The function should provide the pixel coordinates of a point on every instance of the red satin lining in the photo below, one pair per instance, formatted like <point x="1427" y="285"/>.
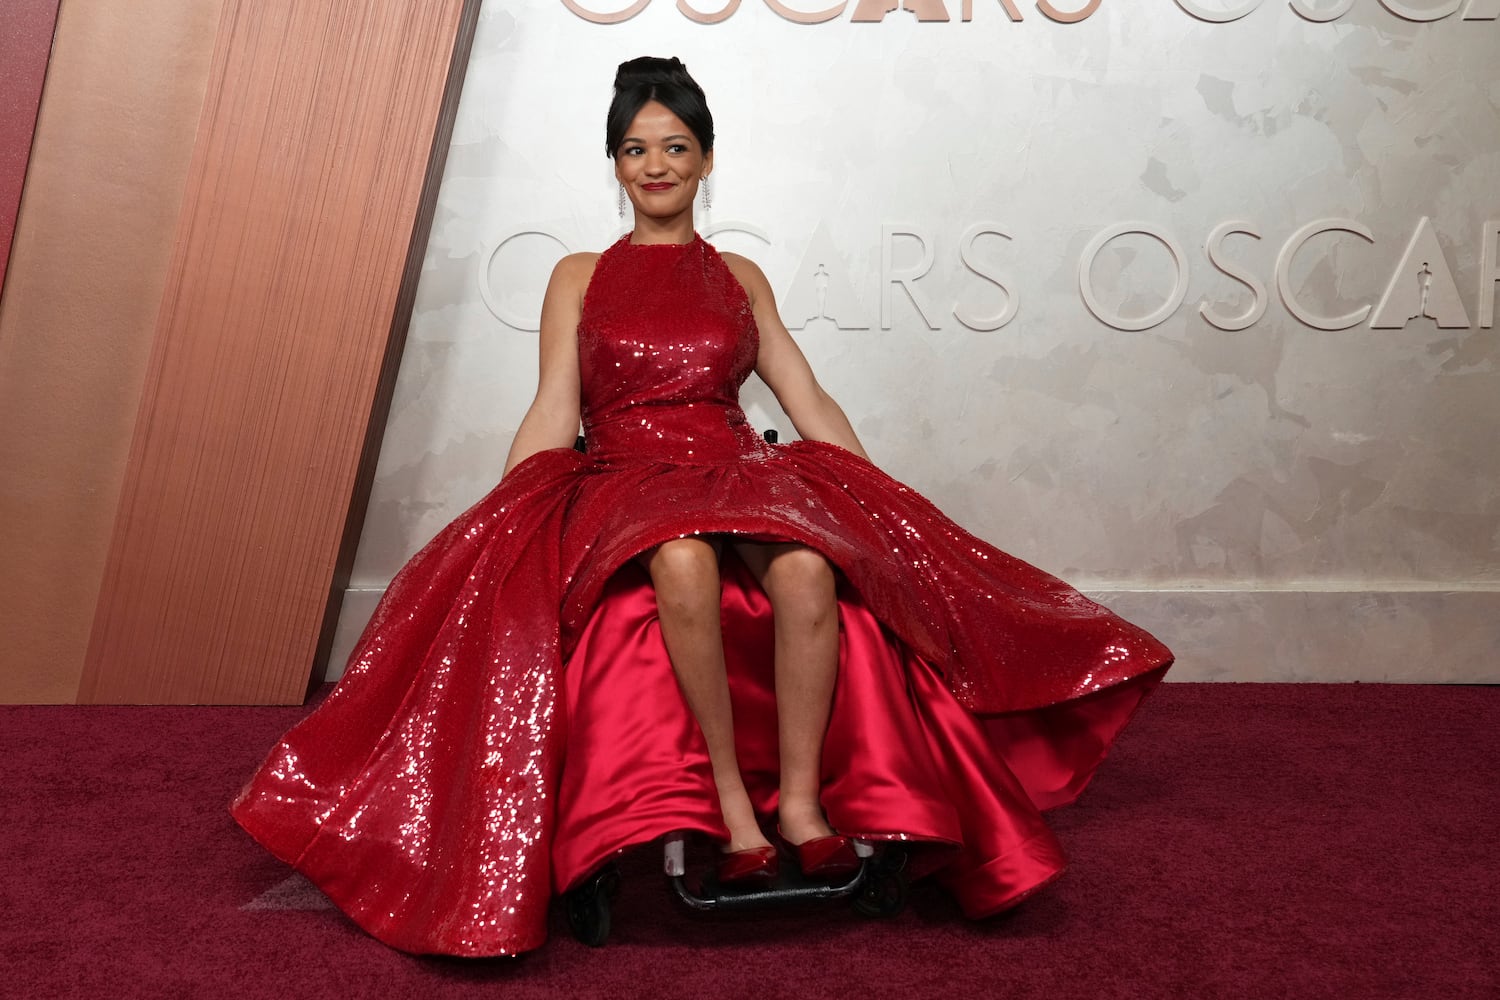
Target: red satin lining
<point x="902" y="759"/>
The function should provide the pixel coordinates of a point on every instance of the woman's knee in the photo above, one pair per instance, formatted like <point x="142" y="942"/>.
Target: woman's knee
<point x="685" y="575"/>
<point x="801" y="584"/>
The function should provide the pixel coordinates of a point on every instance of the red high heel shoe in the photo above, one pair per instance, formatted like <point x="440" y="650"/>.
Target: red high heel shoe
<point x="824" y="857"/>
<point x="752" y="866"/>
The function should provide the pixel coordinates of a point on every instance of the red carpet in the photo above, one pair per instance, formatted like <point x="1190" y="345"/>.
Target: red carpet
<point x="1244" y="841"/>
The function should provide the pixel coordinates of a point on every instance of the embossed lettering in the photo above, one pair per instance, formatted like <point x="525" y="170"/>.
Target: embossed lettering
<point x="1421" y="14"/>
<point x="1489" y="272"/>
<point x="1215" y="247"/>
<point x="1338" y="10"/>
<point x="889" y="276"/>
<point x="876" y="10"/>
<point x="967" y="255"/>
<point x="1203" y="13"/>
<point x="1086" y="281"/>
<point x="722" y="14"/>
<point x="807" y="16"/>
<point x="1011" y="10"/>
<point x="1284" y="273"/>
<point x="492" y="298"/>
<point x="1065" y="16"/>
<point x="606" y="18"/>
<point x="1421" y="286"/>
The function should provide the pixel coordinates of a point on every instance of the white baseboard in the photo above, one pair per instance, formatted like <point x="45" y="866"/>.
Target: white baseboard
<point x="1400" y="636"/>
<point x="1406" y="636"/>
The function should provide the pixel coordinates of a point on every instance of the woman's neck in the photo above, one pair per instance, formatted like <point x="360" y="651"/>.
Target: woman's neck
<point x="678" y="230"/>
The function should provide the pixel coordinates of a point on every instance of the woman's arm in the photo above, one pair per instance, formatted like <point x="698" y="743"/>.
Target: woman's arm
<point x="783" y="367"/>
<point x="552" y="419"/>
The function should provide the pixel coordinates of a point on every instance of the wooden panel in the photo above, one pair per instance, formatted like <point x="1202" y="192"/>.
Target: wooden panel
<point x="317" y="161"/>
<point x="94" y="242"/>
<point x="25" y="43"/>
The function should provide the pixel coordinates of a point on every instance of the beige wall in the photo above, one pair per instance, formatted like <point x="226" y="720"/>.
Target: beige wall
<point x="93" y="241"/>
<point x="1279" y="501"/>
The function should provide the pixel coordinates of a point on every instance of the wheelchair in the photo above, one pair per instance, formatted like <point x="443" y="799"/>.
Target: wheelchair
<point x="879" y="888"/>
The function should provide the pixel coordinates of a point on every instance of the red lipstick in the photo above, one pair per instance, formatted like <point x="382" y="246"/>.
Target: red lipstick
<point x="658" y="186"/>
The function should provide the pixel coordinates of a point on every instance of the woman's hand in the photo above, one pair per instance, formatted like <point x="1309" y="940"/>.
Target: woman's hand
<point x="782" y="366"/>
<point x="552" y="419"/>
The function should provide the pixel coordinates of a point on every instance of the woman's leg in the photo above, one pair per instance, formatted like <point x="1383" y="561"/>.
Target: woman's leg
<point x="801" y="586"/>
<point x="685" y="575"/>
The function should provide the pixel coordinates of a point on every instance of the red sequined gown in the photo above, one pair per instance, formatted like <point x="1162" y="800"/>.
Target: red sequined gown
<point x="510" y="719"/>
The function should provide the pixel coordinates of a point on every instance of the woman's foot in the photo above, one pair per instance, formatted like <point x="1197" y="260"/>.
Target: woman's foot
<point x="798" y="822"/>
<point x="748" y="858"/>
<point x="739" y="816"/>
<point x="827" y="857"/>
<point x="752" y="866"/>
<point x="819" y="851"/>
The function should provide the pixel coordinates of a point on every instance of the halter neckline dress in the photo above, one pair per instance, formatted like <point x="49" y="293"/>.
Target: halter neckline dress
<point x="510" y="720"/>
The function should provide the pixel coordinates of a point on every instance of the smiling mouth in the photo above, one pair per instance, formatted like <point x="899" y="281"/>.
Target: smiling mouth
<point x="656" y="187"/>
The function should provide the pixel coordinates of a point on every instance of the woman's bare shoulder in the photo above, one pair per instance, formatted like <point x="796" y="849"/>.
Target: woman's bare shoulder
<point x="740" y="264"/>
<point x="747" y="273"/>
<point x="575" y="266"/>
<point x="571" y="275"/>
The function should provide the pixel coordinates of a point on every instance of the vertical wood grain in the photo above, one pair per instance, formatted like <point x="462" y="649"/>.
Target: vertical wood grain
<point x="311" y="189"/>
<point x="25" y="43"/>
<point x="94" y="243"/>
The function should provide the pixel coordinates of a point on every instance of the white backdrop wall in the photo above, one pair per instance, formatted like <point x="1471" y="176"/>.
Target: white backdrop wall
<point x="1289" y="474"/>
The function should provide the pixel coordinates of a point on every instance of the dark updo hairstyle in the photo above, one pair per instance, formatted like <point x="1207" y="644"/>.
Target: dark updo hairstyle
<point x="665" y="81"/>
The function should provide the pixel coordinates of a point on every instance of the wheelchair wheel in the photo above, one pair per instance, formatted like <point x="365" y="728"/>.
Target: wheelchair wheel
<point x="886" y="887"/>
<point x="588" y="906"/>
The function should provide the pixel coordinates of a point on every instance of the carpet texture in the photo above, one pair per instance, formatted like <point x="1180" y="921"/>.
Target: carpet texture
<point x="1258" y="841"/>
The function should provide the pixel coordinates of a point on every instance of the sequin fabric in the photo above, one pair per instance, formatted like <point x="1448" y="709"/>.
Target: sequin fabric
<point x="420" y="796"/>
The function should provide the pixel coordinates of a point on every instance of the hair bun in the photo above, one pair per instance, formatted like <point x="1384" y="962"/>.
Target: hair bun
<point x="665" y="81"/>
<point x="646" y="71"/>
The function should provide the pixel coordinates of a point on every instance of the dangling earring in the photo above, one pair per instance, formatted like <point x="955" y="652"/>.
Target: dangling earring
<point x="706" y="197"/>
<point x="622" y="201"/>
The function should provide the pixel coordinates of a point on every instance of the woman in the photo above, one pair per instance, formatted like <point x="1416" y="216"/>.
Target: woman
<point x="687" y="628"/>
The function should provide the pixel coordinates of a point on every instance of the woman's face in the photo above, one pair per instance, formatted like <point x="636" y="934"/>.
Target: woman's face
<point x="660" y="163"/>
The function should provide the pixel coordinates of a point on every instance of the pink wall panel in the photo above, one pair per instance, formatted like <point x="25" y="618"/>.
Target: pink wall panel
<point x="26" y="28"/>
<point x="304" y="220"/>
